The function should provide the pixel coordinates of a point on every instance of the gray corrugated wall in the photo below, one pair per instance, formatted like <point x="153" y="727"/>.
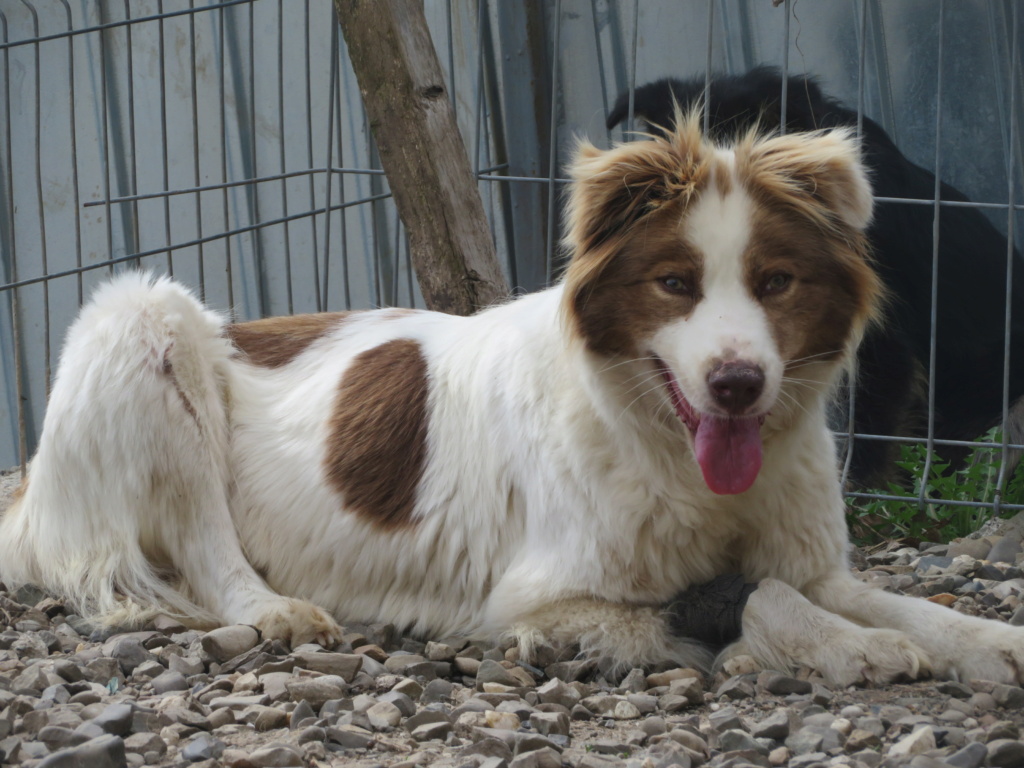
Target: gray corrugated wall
<point x="243" y="90"/>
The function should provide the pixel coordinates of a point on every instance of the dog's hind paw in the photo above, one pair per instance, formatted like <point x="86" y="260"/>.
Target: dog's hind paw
<point x="296" y="622"/>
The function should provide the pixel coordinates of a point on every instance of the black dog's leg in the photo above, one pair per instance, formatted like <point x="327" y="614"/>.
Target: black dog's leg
<point x="711" y="613"/>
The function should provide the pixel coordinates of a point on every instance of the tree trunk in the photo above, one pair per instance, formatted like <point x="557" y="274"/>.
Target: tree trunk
<point x="422" y="153"/>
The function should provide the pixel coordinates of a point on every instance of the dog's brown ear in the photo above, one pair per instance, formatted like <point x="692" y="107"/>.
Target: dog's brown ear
<point x="614" y="189"/>
<point x="820" y="174"/>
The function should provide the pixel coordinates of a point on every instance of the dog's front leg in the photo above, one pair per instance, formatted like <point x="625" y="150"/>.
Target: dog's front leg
<point x="783" y="629"/>
<point x="959" y="647"/>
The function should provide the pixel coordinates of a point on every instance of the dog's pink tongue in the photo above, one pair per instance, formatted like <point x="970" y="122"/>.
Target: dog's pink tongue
<point x="729" y="452"/>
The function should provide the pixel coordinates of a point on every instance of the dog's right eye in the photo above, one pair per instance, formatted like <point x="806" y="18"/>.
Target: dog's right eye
<point x="674" y="284"/>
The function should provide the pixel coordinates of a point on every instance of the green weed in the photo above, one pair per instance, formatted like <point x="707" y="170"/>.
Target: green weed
<point x="872" y="520"/>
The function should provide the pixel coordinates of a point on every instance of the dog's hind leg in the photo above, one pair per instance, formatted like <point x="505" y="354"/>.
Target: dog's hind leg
<point x="633" y="636"/>
<point x="126" y="512"/>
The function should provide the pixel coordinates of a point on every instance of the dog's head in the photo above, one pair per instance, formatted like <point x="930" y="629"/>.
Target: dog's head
<point x="739" y="273"/>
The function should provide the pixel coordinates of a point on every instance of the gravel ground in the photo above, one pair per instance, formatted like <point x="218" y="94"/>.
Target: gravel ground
<point x="73" y="695"/>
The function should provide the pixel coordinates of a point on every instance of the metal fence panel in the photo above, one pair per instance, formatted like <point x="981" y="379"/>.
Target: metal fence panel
<point x="225" y="141"/>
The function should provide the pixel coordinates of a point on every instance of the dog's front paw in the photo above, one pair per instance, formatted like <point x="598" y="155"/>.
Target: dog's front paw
<point x="873" y="656"/>
<point x="296" y="622"/>
<point x="992" y="652"/>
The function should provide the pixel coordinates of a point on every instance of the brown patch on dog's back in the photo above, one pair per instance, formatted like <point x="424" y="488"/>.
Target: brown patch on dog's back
<point x="276" y="341"/>
<point x="377" y="444"/>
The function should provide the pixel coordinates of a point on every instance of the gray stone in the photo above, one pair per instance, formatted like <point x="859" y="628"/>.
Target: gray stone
<point x="625" y="710"/>
<point x="128" y="651"/>
<point x="1006" y="549"/>
<point x="169" y="681"/>
<point x="571" y="671"/>
<point x="971" y="756"/>
<point x="350" y="736"/>
<point x="782" y="685"/>
<point x="312" y="733"/>
<point x="775" y="726"/>
<point x="186" y="665"/>
<point x="436" y="690"/>
<point x="690" y="687"/>
<point x="861" y="739"/>
<point x="270" y="719"/>
<point x="736" y="740"/>
<point x="425" y="716"/>
<point x="809" y="760"/>
<point x="240" y="701"/>
<point x="303" y="711"/>
<point x="101" y="752"/>
<point x="439" y="652"/>
<point x="923" y="761"/>
<point x="975" y="548"/>
<point x="487" y="748"/>
<point x="316" y="690"/>
<point x="143" y="743"/>
<point x="666" y="754"/>
<point x="635" y="681"/>
<point x="344" y="665"/>
<point x="954" y="689"/>
<point x="276" y="756"/>
<point x="545" y="757"/>
<point x="547" y="723"/>
<point x="224" y="643"/>
<point x="430" y="731"/>
<point x="405" y="705"/>
<point x="672" y="703"/>
<point x="928" y="562"/>
<point x="652" y="726"/>
<point x="1008" y="696"/>
<point x="807" y="739"/>
<point x="690" y="740"/>
<point x="493" y="672"/>
<point x="56" y="737"/>
<point x="921" y="740"/>
<point x="115" y="719"/>
<point x="738" y="687"/>
<point x="202" y="747"/>
<point x="1005" y="753"/>
<point x="556" y="692"/>
<point x="725" y="719"/>
<point x="384" y="715"/>
<point x="592" y="760"/>
<point x="873" y="725"/>
<point x="609" y="747"/>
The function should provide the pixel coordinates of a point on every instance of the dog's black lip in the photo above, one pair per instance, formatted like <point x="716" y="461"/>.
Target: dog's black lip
<point x="684" y="410"/>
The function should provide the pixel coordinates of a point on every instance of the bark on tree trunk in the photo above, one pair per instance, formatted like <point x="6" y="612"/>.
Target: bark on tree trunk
<point x="423" y="154"/>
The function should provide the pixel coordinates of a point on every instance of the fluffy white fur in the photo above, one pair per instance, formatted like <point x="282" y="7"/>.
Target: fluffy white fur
<point x="560" y="499"/>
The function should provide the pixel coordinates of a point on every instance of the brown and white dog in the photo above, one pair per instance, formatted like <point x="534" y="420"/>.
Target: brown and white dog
<point x="554" y="468"/>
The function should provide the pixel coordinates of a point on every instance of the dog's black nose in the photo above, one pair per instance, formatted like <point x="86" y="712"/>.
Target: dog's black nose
<point x="736" y="385"/>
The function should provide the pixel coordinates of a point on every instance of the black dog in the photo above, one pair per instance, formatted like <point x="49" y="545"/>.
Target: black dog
<point x="892" y="394"/>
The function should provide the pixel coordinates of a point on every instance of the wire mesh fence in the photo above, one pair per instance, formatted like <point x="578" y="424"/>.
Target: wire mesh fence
<point x="225" y="143"/>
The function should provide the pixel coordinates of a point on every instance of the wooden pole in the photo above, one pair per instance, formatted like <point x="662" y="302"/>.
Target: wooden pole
<point x="422" y="153"/>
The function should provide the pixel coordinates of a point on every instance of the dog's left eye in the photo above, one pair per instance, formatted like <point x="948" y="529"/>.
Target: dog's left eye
<point x="777" y="283"/>
<point x="674" y="285"/>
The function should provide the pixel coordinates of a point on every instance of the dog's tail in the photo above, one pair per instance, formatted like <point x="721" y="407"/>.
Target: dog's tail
<point x="136" y="416"/>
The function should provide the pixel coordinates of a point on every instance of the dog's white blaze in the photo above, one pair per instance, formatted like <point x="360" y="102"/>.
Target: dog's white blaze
<point x="728" y="323"/>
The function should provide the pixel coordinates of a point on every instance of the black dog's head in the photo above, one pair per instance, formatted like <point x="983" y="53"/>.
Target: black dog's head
<point x="736" y="103"/>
